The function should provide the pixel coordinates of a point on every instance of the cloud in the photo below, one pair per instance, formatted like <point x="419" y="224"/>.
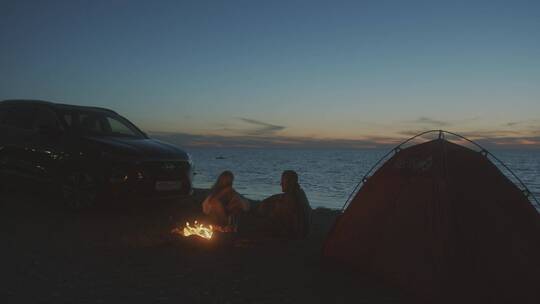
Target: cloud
<point x="471" y="134"/>
<point x="261" y="128"/>
<point x="513" y="123"/>
<point x="220" y="141"/>
<point x="488" y="139"/>
<point x="410" y="133"/>
<point x="427" y="121"/>
<point x="492" y="134"/>
<point x="533" y="123"/>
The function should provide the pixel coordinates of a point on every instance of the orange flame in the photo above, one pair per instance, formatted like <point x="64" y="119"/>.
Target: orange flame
<point x="197" y="229"/>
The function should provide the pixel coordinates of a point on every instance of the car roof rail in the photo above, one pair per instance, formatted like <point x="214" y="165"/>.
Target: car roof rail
<point x="54" y="104"/>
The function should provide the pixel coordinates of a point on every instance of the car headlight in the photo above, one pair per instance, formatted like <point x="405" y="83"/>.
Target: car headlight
<point x="118" y="175"/>
<point x="189" y="159"/>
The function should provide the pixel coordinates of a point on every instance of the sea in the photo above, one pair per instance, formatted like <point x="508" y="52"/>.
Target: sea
<point x="327" y="176"/>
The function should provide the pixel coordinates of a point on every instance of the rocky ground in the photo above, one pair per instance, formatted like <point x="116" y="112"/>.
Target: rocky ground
<point x="51" y="255"/>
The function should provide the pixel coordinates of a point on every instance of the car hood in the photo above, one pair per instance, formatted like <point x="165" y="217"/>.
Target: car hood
<point x="144" y="148"/>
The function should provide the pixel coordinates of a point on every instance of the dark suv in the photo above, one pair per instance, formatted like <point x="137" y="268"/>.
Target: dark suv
<point x="88" y="152"/>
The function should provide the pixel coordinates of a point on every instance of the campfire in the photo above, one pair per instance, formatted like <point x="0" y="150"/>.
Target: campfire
<point x="197" y="229"/>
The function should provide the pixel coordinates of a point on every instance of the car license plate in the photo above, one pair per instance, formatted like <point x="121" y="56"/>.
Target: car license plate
<point x="168" y="185"/>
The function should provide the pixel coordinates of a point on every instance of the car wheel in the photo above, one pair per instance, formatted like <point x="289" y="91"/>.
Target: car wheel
<point x="79" y="190"/>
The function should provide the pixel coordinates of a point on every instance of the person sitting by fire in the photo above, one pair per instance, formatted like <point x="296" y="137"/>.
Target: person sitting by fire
<point x="288" y="213"/>
<point x="224" y="204"/>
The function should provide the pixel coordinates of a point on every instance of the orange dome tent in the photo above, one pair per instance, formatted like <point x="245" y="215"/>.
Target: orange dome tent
<point x="441" y="222"/>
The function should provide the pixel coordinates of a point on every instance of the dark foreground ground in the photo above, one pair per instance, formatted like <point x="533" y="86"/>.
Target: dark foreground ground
<point x="50" y="255"/>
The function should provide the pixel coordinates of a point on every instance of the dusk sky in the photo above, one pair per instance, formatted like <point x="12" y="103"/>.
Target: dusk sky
<point x="357" y="73"/>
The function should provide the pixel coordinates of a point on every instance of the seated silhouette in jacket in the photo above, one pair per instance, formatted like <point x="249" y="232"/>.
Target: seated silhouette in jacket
<point x="288" y="213"/>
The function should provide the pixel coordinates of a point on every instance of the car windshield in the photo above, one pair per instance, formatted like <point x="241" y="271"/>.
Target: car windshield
<point x="98" y="123"/>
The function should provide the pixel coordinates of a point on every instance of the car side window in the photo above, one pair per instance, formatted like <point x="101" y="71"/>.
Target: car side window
<point x="19" y="117"/>
<point x="3" y="111"/>
<point x="68" y="119"/>
<point x="116" y="127"/>
<point x="45" y="119"/>
<point x="91" y="123"/>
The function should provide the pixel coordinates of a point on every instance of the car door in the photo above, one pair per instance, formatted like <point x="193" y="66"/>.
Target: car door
<point x="15" y="139"/>
<point x="47" y="144"/>
<point x="3" y="138"/>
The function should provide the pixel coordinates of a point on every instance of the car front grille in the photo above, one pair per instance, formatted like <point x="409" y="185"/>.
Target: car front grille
<point x="165" y="170"/>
